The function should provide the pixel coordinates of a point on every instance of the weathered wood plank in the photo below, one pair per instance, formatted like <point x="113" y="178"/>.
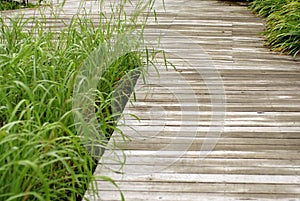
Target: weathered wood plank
<point x="180" y="196"/>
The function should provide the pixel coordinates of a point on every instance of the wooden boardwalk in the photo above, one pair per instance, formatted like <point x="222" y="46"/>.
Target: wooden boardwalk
<point x="225" y="125"/>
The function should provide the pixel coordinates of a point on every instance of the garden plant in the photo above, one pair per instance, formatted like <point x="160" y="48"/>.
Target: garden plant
<point x="42" y="156"/>
<point x="283" y="23"/>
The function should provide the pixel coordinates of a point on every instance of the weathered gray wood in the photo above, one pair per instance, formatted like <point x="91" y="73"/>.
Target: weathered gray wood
<point x="257" y="154"/>
<point x="176" y="196"/>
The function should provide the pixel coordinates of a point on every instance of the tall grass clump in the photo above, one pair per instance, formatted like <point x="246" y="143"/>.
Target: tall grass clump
<point x="283" y="23"/>
<point x="42" y="156"/>
<point x="13" y="5"/>
<point x="266" y="7"/>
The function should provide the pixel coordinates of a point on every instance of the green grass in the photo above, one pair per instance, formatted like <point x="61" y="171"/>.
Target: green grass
<point x="42" y="155"/>
<point x="267" y="7"/>
<point x="42" y="158"/>
<point x="13" y="5"/>
<point x="283" y="24"/>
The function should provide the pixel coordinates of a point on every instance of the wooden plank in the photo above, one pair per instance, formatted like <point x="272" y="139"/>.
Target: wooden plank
<point x="179" y="168"/>
<point x="180" y="196"/>
<point x="202" y="187"/>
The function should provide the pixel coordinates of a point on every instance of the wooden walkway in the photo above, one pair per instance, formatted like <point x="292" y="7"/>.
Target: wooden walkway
<point x="225" y="125"/>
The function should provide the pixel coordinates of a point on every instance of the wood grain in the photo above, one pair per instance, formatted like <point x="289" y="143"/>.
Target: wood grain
<point x="256" y="156"/>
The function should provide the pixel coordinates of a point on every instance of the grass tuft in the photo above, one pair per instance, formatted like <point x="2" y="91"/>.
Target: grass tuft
<point x="283" y="24"/>
<point x="42" y="155"/>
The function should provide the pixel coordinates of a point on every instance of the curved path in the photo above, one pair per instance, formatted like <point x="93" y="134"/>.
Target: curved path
<point x="225" y="125"/>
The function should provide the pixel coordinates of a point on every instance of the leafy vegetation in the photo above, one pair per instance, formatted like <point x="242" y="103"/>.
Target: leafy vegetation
<point x="13" y="5"/>
<point x="42" y="156"/>
<point x="283" y="23"/>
